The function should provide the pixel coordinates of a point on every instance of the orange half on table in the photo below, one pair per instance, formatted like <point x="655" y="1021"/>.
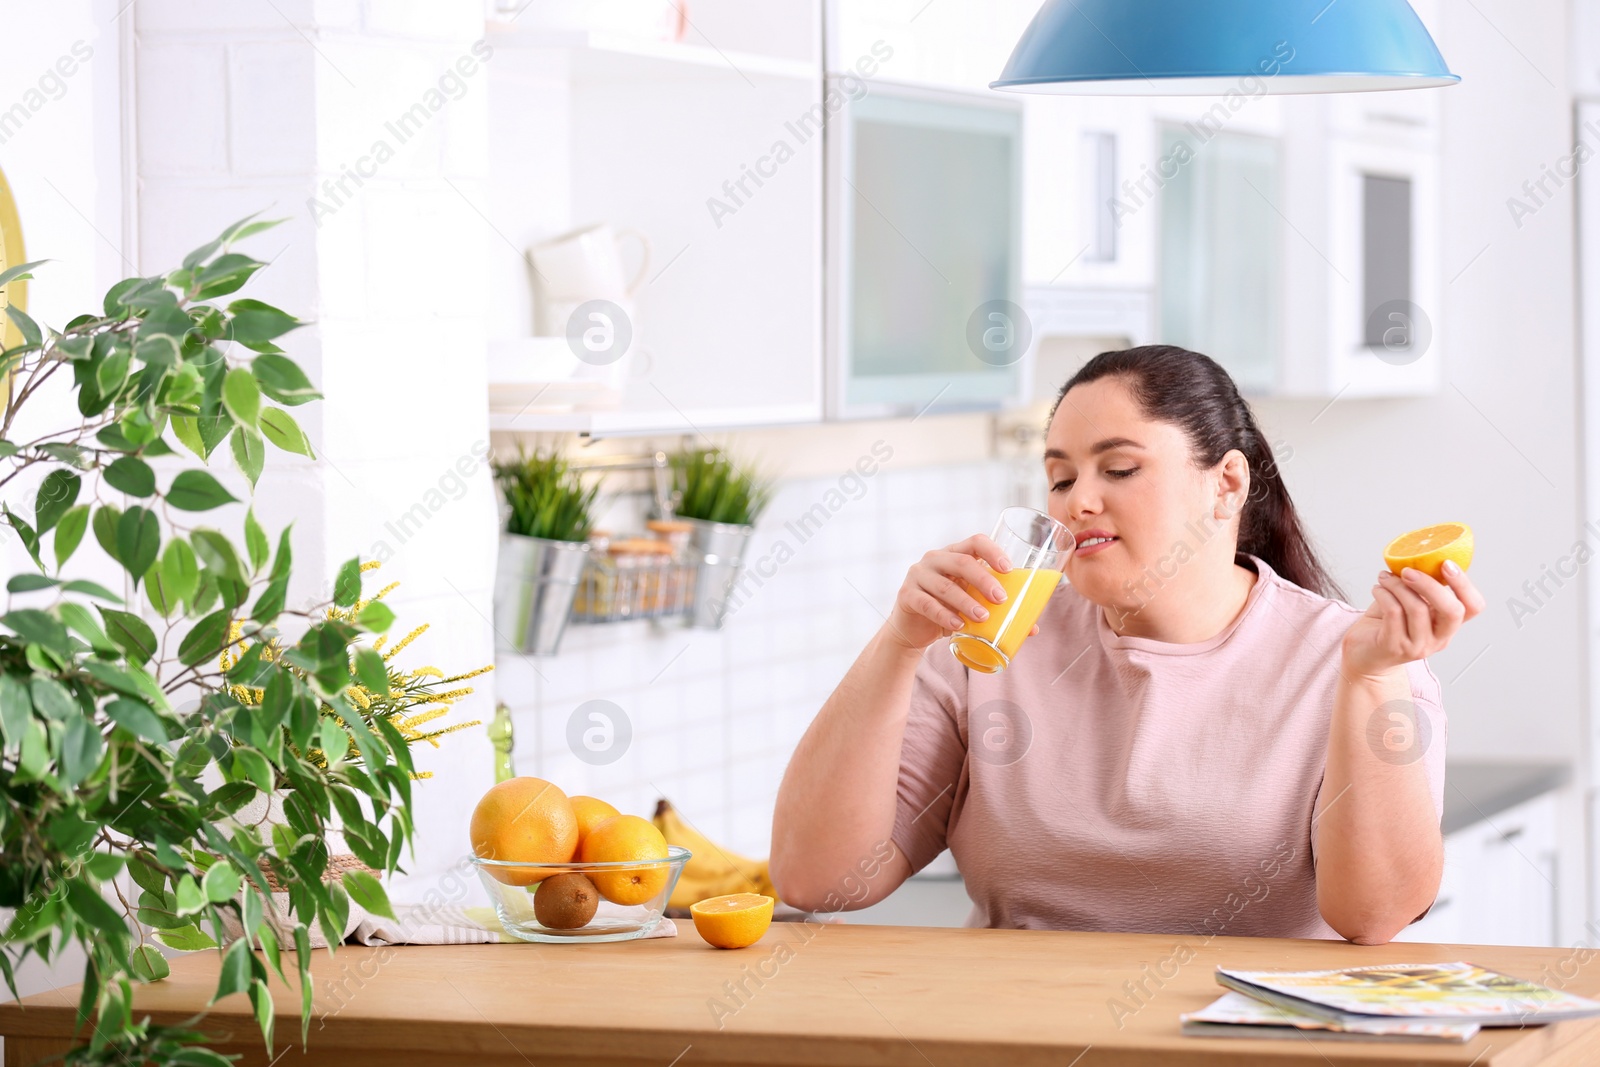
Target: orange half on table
<point x="1427" y="549"/>
<point x="734" y="920"/>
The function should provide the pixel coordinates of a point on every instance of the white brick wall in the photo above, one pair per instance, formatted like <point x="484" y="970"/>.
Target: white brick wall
<point x="716" y="714"/>
<point x="256" y="106"/>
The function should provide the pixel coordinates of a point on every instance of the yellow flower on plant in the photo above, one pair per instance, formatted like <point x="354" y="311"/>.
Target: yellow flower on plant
<point x="413" y="698"/>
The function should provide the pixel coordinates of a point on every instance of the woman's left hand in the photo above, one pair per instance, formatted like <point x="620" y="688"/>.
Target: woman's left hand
<point x="1411" y="617"/>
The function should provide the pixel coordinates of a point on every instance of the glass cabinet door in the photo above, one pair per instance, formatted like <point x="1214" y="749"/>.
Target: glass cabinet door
<point x="1221" y="261"/>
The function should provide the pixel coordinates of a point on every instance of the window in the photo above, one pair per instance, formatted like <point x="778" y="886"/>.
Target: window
<point x="1386" y="262"/>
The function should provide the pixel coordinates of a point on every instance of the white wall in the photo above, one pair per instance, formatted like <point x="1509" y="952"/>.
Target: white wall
<point x="63" y="160"/>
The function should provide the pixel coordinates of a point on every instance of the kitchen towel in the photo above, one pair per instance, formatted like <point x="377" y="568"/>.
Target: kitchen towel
<point x="421" y="924"/>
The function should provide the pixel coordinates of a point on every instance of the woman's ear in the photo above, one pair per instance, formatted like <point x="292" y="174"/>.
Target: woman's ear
<point x="1233" y="484"/>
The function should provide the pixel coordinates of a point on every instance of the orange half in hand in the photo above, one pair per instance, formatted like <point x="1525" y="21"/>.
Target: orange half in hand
<point x="1427" y="549"/>
<point x="733" y="921"/>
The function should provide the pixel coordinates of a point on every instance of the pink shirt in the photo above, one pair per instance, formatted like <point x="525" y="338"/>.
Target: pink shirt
<point x="1122" y="783"/>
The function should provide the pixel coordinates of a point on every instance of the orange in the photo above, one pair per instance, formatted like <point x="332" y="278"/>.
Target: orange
<point x="1427" y="549"/>
<point x="626" y="838"/>
<point x="733" y="921"/>
<point x="524" y="820"/>
<point x="591" y="813"/>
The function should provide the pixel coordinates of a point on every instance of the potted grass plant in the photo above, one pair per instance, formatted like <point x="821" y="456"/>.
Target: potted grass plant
<point x="721" y="499"/>
<point x="549" y="512"/>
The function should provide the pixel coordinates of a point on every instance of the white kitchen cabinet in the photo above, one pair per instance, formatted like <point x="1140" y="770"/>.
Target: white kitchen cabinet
<point x="1499" y="884"/>
<point x="715" y="155"/>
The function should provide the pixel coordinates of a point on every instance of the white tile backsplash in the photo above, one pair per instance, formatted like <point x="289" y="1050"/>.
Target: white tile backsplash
<point x="715" y="715"/>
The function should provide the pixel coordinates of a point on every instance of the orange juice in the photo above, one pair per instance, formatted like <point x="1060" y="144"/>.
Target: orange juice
<point x="988" y="646"/>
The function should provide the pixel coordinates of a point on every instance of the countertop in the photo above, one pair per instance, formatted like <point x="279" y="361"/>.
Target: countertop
<point x="809" y="994"/>
<point x="1475" y="790"/>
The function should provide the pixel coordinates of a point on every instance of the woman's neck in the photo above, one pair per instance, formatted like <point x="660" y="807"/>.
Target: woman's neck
<point x="1185" y="615"/>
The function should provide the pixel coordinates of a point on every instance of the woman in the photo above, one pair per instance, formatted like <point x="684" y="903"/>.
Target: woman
<point x="1199" y="739"/>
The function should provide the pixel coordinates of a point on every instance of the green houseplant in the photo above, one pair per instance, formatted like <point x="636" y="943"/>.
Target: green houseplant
<point x="721" y="499"/>
<point x="711" y="487"/>
<point x="542" y="549"/>
<point x="112" y="714"/>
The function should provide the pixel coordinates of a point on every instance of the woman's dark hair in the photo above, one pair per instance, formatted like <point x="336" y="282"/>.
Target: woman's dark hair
<point x="1194" y="393"/>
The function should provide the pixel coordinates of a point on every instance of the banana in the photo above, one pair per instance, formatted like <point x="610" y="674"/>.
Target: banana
<point x="711" y="870"/>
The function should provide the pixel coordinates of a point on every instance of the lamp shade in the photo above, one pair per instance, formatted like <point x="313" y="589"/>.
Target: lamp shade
<point x="1207" y="47"/>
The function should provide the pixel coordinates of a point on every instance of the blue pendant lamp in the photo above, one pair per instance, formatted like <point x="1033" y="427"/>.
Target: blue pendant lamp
<point x="1206" y="47"/>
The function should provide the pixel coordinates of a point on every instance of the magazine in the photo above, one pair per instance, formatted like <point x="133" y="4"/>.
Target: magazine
<point x="1237" y="1015"/>
<point x="1454" y="992"/>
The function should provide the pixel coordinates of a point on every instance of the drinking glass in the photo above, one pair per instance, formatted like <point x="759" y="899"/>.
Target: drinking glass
<point x="1037" y="547"/>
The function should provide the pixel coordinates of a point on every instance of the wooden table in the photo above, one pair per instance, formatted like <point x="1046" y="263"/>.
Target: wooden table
<point x="811" y="994"/>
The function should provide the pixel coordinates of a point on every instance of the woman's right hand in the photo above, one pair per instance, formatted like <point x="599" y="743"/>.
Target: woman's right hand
<point x="932" y="601"/>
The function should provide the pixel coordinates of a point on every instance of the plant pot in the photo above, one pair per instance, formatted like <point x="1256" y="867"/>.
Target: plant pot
<point x="534" y="583"/>
<point x="262" y="813"/>
<point x="719" y="548"/>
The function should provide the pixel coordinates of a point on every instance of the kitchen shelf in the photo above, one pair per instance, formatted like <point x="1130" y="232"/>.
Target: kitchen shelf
<point x="540" y="374"/>
<point x="619" y="57"/>
<point x="633" y="423"/>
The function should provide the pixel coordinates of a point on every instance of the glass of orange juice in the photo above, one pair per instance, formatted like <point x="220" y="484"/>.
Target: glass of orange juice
<point x="1037" y="547"/>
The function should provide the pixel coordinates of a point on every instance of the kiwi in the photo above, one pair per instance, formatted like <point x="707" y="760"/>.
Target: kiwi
<point x="565" y="901"/>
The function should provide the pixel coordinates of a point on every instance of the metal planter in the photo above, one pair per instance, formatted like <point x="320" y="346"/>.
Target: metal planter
<point x="719" y="550"/>
<point x="534" y="583"/>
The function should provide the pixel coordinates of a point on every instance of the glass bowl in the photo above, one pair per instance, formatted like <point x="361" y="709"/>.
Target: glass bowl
<point x="633" y="896"/>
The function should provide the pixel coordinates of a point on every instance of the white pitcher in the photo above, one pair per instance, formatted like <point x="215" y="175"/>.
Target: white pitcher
<point x="584" y="265"/>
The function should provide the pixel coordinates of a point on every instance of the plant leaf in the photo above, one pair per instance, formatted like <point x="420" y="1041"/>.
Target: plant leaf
<point x="69" y="533"/>
<point x="57" y="493"/>
<point x="282" y="379"/>
<point x="249" y="452"/>
<point x="255" y="324"/>
<point x="371" y="672"/>
<point x="131" y="475"/>
<point x="179" y="571"/>
<point x="221" y="882"/>
<point x="53" y="700"/>
<point x="107" y="517"/>
<point x="198" y="491"/>
<point x="254" y="768"/>
<point x="137" y="718"/>
<point x="81" y="746"/>
<point x="281" y="429"/>
<point x="235" y="976"/>
<point x="186" y="939"/>
<point x="21" y="270"/>
<point x="130" y="632"/>
<point x="16" y="710"/>
<point x="25" y="325"/>
<point x="187" y="429"/>
<point x="94" y="589"/>
<point x="241" y="396"/>
<point x="30" y="540"/>
<point x="206" y="639"/>
<point x="368" y="892"/>
<point x="138" y="541"/>
<point x="87" y="903"/>
<point x="255" y="541"/>
<point x="347" y="586"/>
<point x="375" y="617"/>
<point x="148" y="964"/>
<point x="39" y="627"/>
